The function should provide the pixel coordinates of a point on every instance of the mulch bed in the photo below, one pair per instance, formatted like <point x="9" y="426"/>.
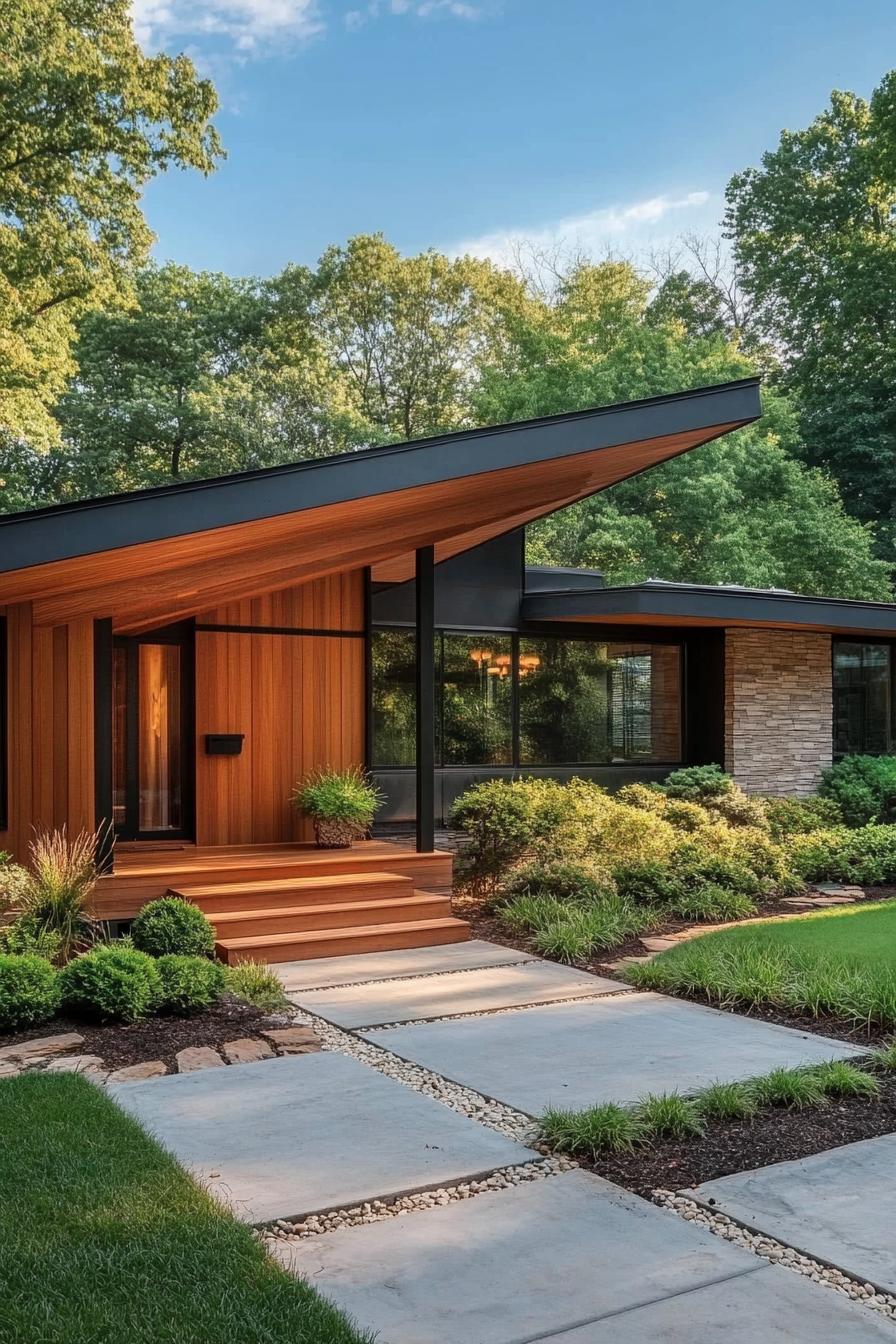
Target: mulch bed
<point x="743" y="1145"/>
<point x="155" y="1037"/>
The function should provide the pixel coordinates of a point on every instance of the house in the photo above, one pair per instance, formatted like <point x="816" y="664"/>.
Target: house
<point x="175" y="659"/>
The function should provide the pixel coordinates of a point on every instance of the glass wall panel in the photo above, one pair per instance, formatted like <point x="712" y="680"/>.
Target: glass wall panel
<point x="160" y="737"/>
<point x="587" y="702"/>
<point x="394" y="697"/>
<point x="477" y="700"/>
<point x="862" y="699"/>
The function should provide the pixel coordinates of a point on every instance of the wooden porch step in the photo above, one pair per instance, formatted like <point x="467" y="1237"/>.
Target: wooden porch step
<point x="293" y="892"/>
<point x="304" y="918"/>
<point x="341" y="942"/>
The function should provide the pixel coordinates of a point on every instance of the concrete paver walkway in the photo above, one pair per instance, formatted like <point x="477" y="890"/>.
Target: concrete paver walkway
<point x="473" y="991"/>
<point x="567" y="1258"/>
<point x="610" y="1049"/>
<point x="410" y="961"/>
<point x="838" y="1206"/>
<point x="291" y="1136"/>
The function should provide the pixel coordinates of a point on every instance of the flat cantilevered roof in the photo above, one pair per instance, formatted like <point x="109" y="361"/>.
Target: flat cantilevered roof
<point x="658" y="603"/>
<point x="157" y="555"/>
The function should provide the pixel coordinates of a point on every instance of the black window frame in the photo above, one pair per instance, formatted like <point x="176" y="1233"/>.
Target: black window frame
<point x="515" y="636"/>
<point x="890" y="645"/>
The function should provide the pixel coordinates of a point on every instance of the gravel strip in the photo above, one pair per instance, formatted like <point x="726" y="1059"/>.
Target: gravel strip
<point x="503" y="1119"/>
<point x="777" y="1253"/>
<point x="376" y="1210"/>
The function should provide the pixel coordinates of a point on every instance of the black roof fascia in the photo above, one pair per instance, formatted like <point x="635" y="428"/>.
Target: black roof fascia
<point x="716" y="605"/>
<point x="82" y="528"/>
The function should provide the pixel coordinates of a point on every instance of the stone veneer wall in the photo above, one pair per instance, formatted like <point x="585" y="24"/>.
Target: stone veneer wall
<point x="778" y="709"/>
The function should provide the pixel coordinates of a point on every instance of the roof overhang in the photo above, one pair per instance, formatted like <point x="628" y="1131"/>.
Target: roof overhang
<point x="157" y="555"/>
<point x="686" y="605"/>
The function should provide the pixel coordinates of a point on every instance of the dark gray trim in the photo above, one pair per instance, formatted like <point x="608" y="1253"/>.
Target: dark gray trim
<point x="650" y="601"/>
<point x="424" y="593"/>
<point x="84" y="528"/>
<point x="215" y="628"/>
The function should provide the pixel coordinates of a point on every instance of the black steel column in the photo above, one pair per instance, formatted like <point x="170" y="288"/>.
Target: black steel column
<point x="102" y="740"/>
<point x="426" y="710"/>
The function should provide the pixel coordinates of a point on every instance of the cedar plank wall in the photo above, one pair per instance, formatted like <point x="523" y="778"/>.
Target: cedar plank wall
<point x="50" y="721"/>
<point x="299" y="700"/>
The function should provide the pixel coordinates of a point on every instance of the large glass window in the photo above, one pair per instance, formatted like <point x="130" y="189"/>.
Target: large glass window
<point x="587" y="702"/>
<point x="477" y="700"/>
<point x="581" y="701"/>
<point x="862" y="698"/>
<point x="394" y="699"/>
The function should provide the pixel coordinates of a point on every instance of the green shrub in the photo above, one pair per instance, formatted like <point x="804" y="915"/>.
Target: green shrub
<point x="695" y="867"/>
<point x="563" y="881"/>
<point x="497" y="817"/>
<point x="794" y="1088"/>
<point x="669" y="1115"/>
<point x="864" y="787"/>
<point x="188" y="984"/>
<point x="29" y="991"/>
<point x="14" y="883"/>
<point x="739" y="809"/>
<point x="697" y="783"/>
<point x="255" y="983"/>
<point x="599" y="1129"/>
<point x="727" y="1101"/>
<point x="27" y="936"/>
<point x="866" y="855"/>
<point x="112" y="984"/>
<point x="799" y="816"/>
<point x="172" y="925"/>
<point x="650" y="882"/>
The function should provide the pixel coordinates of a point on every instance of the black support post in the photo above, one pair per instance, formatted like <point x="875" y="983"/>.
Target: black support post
<point x="426" y="712"/>
<point x="102" y="750"/>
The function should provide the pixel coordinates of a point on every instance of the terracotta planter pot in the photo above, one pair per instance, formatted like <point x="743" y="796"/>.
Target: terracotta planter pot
<point x="334" y="834"/>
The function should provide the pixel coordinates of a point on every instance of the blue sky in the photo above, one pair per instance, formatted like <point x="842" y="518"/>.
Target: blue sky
<point x="460" y="123"/>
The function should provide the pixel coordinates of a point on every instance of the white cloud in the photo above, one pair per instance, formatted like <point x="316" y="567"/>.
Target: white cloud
<point x="418" y="9"/>
<point x="590" y="232"/>
<point x="246" y="25"/>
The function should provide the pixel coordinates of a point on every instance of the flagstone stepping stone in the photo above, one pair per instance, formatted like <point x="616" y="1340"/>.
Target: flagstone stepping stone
<point x="607" y="1049"/>
<point x="328" y="972"/>
<point x="838" y="1206"/>
<point x="131" y="1073"/>
<point x="76" y="1064"/>
<point x="659" y="944"/>
<point x="567" y="1258"/>
<point x="293" y="1136"/>
<point x="293" y="1040"/>
<point x="476" y="991"/>
<point x="197" y="1057"/>
<point x="8" y="1070"/>
<point x="41" y="1045"/>
<point x="246" y="1051"/>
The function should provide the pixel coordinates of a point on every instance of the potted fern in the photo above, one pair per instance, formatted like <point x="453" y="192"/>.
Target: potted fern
<point x="340" y="803"/>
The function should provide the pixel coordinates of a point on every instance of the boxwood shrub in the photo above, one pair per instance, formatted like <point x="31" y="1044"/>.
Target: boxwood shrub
<point x="188" y="984"/>
<point x="864" y="787"/>
<point x="29" y="990"/>
<point x="116" y="984"/>
<point x="171" y="925"/>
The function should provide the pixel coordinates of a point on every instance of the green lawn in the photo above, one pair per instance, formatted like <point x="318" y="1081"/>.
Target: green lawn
<point x="838" y="963"/>
<point x="105" y="1240"/>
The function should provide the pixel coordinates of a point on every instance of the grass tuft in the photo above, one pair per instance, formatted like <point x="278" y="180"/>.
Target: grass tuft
<point x="255" y="983"/>
<point x="794" y="1088"/>
<point x="669" y="1115"/>
<point x="839" y="1078"/>
<point x="599" y="1129"/>
<point x="727" y="1101"/>
<point x="884" y="1058"/>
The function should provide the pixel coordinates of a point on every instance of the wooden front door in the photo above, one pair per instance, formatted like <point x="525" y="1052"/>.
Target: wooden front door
<point x="152" y="736"/>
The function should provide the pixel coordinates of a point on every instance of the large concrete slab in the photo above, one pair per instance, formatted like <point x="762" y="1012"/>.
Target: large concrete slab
<point x="774" y="1306"/>
<point x="325" y="972"/>
<point x="291" y="1136"/>
<point x="476" y="991"/>
<point x="517" y="1265"/>
<point x="612" y="1049"/>
<point x="838" y="1206"/>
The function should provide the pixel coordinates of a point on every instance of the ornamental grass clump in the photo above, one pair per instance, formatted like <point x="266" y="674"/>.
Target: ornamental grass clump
<point x="669" y="1115"/>
<point x="341" y="804"/>
<point x="173" y="926"/>
<point x="607" y="1128"/>
<point x="883" y="1059"/>
<point x="839" y="1078"/>
<point x="55" y="899"/>
<point x="794" y="1089"/>
<point x="727" y="1101"/>
<point x="255" y="983"/>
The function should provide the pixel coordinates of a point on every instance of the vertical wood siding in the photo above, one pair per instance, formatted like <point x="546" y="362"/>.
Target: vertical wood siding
<point x="298" y="699"/>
